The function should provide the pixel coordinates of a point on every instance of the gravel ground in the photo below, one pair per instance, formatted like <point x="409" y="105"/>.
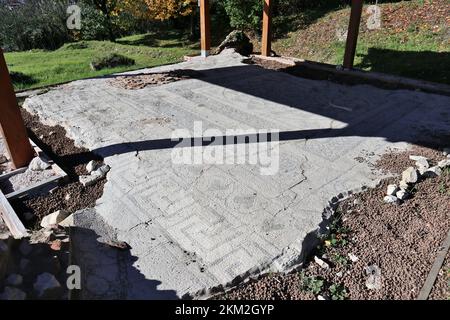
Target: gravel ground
<point x="398" y="242"/>
<point x="441" y="289"/>
<point x="70" y="196"/>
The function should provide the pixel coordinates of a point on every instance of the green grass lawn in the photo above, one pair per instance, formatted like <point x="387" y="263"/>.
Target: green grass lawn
<point x="39" y="68"/>
<point x="416" y="55"/>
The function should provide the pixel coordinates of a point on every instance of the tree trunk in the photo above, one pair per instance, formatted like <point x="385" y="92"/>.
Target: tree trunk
<point x="112" y="38"/>
<point x="192" y="27"/>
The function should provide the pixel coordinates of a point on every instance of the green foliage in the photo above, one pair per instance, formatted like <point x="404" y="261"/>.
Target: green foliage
<point x="247" y="14"/>
<point x="111" y="60"/>
<point x="35" y="24"/>
<point x="244" y="14"/>
<point x="311" y="284"/>
<point x="94" y="25"/>
<point x="338" y="292"/>
<point x="340" y="260"/>
<point x="338" y="233"/>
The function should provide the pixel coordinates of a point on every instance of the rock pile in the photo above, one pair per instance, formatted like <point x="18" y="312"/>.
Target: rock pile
<point x="96" y="174"/>
<point x="237" y="40"/>
<point x="422" y="170"/>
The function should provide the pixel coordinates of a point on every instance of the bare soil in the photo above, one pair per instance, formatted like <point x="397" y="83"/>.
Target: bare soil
<point x="140" y="81"/>
<point x="395" y="162"/>
<point x="49" y="253"/>
<point x="401" y="240"/>
<point x="55" y="143"/>
<point x="70" y="195"/>
<point x="441" y="289"/>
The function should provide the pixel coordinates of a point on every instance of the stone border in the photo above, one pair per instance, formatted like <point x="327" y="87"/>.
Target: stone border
<point x="432" y="276"/>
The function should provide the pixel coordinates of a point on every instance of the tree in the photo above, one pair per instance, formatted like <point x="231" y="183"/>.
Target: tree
<point x="160" y="9"/>
<point x="244" y="14"/>
<point x="108" y="8"/>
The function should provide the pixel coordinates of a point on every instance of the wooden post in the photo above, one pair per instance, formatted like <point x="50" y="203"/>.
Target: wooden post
<point x="353" y="31"/>
<point x="205" y="28"/>
<point x="11" y="123"/>
<point x="267" y="29"/>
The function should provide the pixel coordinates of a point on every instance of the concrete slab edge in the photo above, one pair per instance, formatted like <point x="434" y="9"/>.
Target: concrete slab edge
<point x="292" y="257"/>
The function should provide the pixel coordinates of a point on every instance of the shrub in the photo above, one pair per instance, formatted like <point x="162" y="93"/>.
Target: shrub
<point x="94" y="25"/>
<point x="111" y="61"/>
<point x="247" y="14"/>
<point x="244" y="14"/>
<point x="311" y="283"/>
<point x="338" y="292"/>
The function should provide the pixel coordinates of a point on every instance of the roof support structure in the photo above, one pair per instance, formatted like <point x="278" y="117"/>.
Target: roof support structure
<point x="12" y="126"/>
<point x="266" y="46"/>
<point x="205" y="28"/>
<point x="353" y="32"/>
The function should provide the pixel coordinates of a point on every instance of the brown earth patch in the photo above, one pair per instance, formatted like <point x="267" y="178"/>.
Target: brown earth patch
<point x="396" y="162"/>
<point x="269" y="64"/>
<point x="441" y="289"/>
<point x="60" y="148"/>
<point x="140" y="81"/>
<point x="70" y="195"/>
<point x="401" y="240"/>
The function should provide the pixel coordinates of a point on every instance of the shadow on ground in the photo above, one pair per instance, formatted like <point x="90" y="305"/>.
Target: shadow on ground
<point x="274" y="86"/>
<point x="108" y="273"/>
<point x="153" y="39"/>
<point x="21" y="79"/>
<point x="424" y="65"/>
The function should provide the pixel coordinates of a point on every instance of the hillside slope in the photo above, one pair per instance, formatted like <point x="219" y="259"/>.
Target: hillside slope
<point x="413" y="41"/>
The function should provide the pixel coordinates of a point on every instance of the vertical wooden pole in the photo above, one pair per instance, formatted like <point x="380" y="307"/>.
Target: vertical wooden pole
<point x="205" y="28"/>
<point x="353" y="32"/>
<point x="267" y="28"/>
<point x="11" y="123"/>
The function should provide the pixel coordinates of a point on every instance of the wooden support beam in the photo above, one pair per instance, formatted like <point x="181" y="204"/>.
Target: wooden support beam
<point x="11" y="123"/>
<point x="11" y="219"/>
<point x="353" y="32"/>
<point x="267" y="29"/>
<point x="205" y="28"/>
